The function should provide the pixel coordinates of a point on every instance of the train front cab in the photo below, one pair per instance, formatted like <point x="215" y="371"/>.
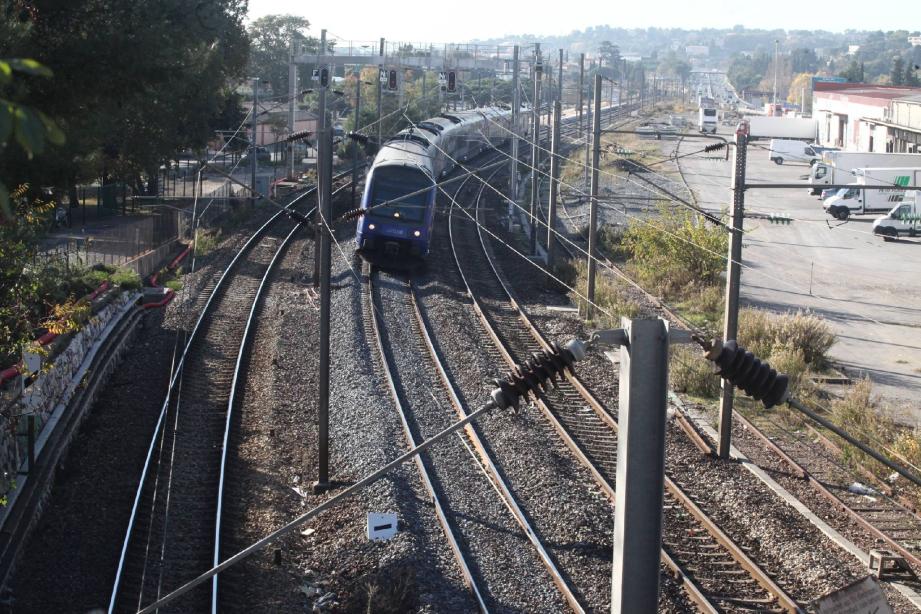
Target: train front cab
<point x="402" y="227"/>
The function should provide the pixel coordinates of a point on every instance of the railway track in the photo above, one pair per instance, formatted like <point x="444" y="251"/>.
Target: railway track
<point x="695" y="549"/>
<point x="174" y="532"/>
<point x="476" y="507"/>
<point x="885" y="515"/>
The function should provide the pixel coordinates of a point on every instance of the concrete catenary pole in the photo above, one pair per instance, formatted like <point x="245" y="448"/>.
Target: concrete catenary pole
<point x="640" y="466"/>
<point x="593" y="205"/>
<point x="321" y="122"/>
<point x="324" y="185"/>
<point x="356" y="126"/>
<point x="380" y="88"/>
<point x="554" y="184"/>
<point x="559" y="84"/>
<point x="516" y="117"/>
<point x="733" y="275"/>
<point x="588" y="142"/>
<point x="253" y="158"/>
<point x="292" y="104"/>
<point x="581" y="86"/>
<point x="535" y="149"/>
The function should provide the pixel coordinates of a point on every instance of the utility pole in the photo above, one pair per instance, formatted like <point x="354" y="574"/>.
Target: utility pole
<point x="774" y="98"/>
<point x="620" y="85"/>
<point x="731" y="316"/>
<point x="516" y="114"/>
<point x="640" y="464"/>
<point x="588" y="142"/>
<point x="380" y="67"/>
<point x="593" y="205"/>
<point x="324" y="189"/>
<point x="554" y="183"/>
<point x="550" y="92"/>
<point x="535" y="149"/>
<point x="581" y="86"/>
<point x="560" y="80"/>
<point x="321" y="123"/>
<point x="253" y="164"/>
<point x="292" y="100"/>
<point x="356" y="126"/>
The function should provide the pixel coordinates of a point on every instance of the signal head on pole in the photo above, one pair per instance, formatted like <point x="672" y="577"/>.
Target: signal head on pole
<point x="324" y="77"/>
<point x="392" y="80"/>
<point x="452" y="81"/>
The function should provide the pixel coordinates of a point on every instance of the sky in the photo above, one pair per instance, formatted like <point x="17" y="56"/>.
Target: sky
<point x="415" y="20"/>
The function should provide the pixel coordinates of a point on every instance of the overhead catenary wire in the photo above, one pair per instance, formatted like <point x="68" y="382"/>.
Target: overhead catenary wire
<point x="641" y="220"/>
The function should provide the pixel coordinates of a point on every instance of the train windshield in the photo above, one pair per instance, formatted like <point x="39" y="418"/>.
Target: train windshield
<point x="405" y="192"/>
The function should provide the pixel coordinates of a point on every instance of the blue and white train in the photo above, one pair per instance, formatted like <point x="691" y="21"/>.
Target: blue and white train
<point x="400" y="191"/>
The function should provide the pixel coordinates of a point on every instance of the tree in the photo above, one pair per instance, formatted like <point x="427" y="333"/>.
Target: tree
<point x="135" y="82"/>
<point x="675" y="66"/>
<point x="897" y="75"/>
<point x="910" y="79"/>
<point x="271" y="38"/>
<point x="804" y="60"/>
<point x="610" y="54"/>
<point x="854" y="72"/>
<point x="29" y="127"/>
<point x="746" y="72"/>
<point x="800" y="90"/>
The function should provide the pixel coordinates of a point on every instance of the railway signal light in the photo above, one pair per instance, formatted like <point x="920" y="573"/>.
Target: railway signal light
<point x="324" y="77"/>
<point x="452" y="81"/>
<point x="392" y="81"/>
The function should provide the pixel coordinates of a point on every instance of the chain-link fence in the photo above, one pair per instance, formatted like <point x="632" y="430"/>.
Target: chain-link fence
<point x="120" y="243"/>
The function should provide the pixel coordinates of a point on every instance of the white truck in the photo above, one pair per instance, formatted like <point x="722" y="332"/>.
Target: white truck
<point x="904" y="218"/>
<point x="706" y="115"/>
<point x="856" y="199"/>
<point x="835" y="167"/>
<point x="762" y="126"/>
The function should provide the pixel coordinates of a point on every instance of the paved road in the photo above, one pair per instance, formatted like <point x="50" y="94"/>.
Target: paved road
<point x="866" y="288"/>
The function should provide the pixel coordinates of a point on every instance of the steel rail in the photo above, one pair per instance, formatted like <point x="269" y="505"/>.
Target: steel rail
<point x="803" y="473"/>
<point x="683" y="422"/>
<point x="193" y="336"/>
<point x="413" y="443"/>
<point x="231" y="401"/>
<point x="694" y="591"/>
<point x="487" y="461"/>
<point x="737" y="554"/>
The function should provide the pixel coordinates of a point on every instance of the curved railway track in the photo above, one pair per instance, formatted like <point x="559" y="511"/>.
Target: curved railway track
<point x="174" y="530"/>
<point x="885" y="516"/>
<point x="695" y="549"/>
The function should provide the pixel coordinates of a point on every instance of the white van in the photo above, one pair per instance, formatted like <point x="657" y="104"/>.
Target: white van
<point x="904" y="219"/>
<point x="792" y="151"/>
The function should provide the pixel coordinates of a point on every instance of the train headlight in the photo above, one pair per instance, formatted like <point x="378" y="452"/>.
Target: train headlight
<point x="371" y="227"/>
<point x="396" y="214"/>
<point x="417" y="233"/>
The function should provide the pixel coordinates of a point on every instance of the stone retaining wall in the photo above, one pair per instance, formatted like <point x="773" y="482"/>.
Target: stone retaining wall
<point x="54" y="386"/>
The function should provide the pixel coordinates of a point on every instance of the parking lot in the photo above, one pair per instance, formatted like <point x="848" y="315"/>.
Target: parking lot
<point x="865" y="287"/>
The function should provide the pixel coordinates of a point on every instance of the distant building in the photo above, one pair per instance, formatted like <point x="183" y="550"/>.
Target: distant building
<point x="858" y="116"/>
<point x="272" y="124"/>
<point x="697" y="51"/>
<point x="852" y="49"/>
<point x="904" y="124"/>
<point x="915" y="41"/>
